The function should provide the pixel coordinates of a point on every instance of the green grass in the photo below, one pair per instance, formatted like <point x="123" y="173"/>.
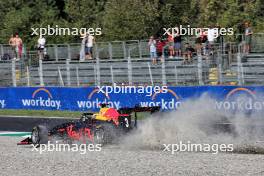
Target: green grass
<point x="40" y="113"/>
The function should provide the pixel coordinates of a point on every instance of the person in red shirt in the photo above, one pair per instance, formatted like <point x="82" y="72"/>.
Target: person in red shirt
<point x="160" y="45"/>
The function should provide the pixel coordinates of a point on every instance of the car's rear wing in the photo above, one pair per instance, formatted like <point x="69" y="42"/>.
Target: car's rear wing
<point x="152" y="109"/>
<point x="136" y="109"/>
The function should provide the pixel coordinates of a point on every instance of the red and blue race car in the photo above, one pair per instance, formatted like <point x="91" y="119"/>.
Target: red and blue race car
<point x="103" y="127"/>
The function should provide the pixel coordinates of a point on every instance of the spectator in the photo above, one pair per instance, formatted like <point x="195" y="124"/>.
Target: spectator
<point x="12" y="44"/>
<point x="171" y="45"/>
<point x="83" y="47"/>
<point x="211" y="35"/>
<point x="160" y="45"/>
<point x="198" y="43"/>
<point x="188" y="53"/>
<point x="204" y="42"/>
<point x="153" y="49"/>
<point x="248" y="36"/>
<point x="89" y="46"/>
<point x="18" y="44"/>
<point x="41" y="46"/>
<point x="177" y="45"/>
<point x="219" y="38"/>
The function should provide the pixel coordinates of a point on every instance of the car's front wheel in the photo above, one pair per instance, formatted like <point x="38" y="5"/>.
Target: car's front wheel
<point x="99" y="136"/>
<point x="39" y="135"/>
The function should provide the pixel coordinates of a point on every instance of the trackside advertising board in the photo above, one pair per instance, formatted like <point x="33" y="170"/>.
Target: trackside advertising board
<point x="232" y="98"/>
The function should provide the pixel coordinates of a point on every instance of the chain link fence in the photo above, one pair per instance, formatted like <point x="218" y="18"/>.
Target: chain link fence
<point x="128" y="62"/>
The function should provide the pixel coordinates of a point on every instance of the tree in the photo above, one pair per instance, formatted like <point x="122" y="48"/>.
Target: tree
<point x="21" y="16"/>
<point x="124" y="19"/>
<point x="130" y="19"/>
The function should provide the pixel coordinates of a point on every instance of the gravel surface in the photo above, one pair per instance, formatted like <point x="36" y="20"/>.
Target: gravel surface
<point x="113" y="161"/>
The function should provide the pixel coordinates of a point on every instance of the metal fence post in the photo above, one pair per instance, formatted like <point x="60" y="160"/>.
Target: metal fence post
<point x="56" y="52"/>
<point x="200" y="69"/>
<point x="129" y="67"/>
<point x="13" y="69"/>
<point x="68" y="72"/>
<point x="77" y="76"/>
<point x="140" y="49"/>
<point x="95" y="76"/>
<point x="239" y="69"/>
<point x="150" y="74"/>
<point x="110" y="51"/>
<point x="69" y="51"/>
<point x="60" y="77"/>
<point x="28" y="76"/>
<point x="112" y="75"/>
<point x="239" y="65"/>
<point x="163" y="72"/>
<point x="97" y="67"/>
<point x="124" y="49"/>
<point x="41" y="73"/>
<point x="219" y="65"/>
<point x="2" y="50"/>
<point x="176" y="75"/>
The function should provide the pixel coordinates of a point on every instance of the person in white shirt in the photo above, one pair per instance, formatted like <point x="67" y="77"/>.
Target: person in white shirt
<point x="153" y="49"/>
<point x="212" y="34"/>
<point x="89" y="46"/>
<point x="82" y="51"/>
<point x="41" y="46"/>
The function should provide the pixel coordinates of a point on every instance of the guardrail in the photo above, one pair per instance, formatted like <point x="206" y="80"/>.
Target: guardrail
<point x="130" y="70"/>
<point x="204" y="70"/>
<point x="128" y="62"/>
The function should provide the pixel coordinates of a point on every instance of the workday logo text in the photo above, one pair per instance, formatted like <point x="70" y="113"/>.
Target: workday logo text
<point x="167" y="101"/>
<point x="42" y="98"/>
<point x="2" y="104"/>
<point x="242" y="100"/>
<point x="95" y="99"/>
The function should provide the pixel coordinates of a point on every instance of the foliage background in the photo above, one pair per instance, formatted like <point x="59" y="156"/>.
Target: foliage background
<point x="124" y="19"/>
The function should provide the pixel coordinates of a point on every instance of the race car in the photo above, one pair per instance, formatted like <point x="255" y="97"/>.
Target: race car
<point x="103" y="127"/>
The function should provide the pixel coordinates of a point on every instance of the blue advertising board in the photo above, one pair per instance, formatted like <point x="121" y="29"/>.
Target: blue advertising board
<point x="90" y="98"/>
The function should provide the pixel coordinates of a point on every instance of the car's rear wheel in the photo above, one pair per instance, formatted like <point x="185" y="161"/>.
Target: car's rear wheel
<point x="39" y="135"/>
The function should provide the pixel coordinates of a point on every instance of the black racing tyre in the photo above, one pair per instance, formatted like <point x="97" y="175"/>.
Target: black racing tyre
<point x="99" y="136"/>
<point x="39" y="135"/>
<point x="106" y="134"/>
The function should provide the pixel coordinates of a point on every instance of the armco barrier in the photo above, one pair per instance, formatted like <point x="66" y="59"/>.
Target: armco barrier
<point x="88" y="98"/>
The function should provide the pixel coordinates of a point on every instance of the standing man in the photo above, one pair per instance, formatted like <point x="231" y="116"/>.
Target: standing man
<point x="41" y="46"/>
<point x="170" y="40"/>
<point x="248" y="36"/>
<point x="177" y="45"/>
<point x="211" y="36"/>
<point x="153" y="49"/>
<point x="83" y="47"/>
<point x="13" y="45"/>
<point x="89" y="45"/>
<point x="18" y="44"/>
